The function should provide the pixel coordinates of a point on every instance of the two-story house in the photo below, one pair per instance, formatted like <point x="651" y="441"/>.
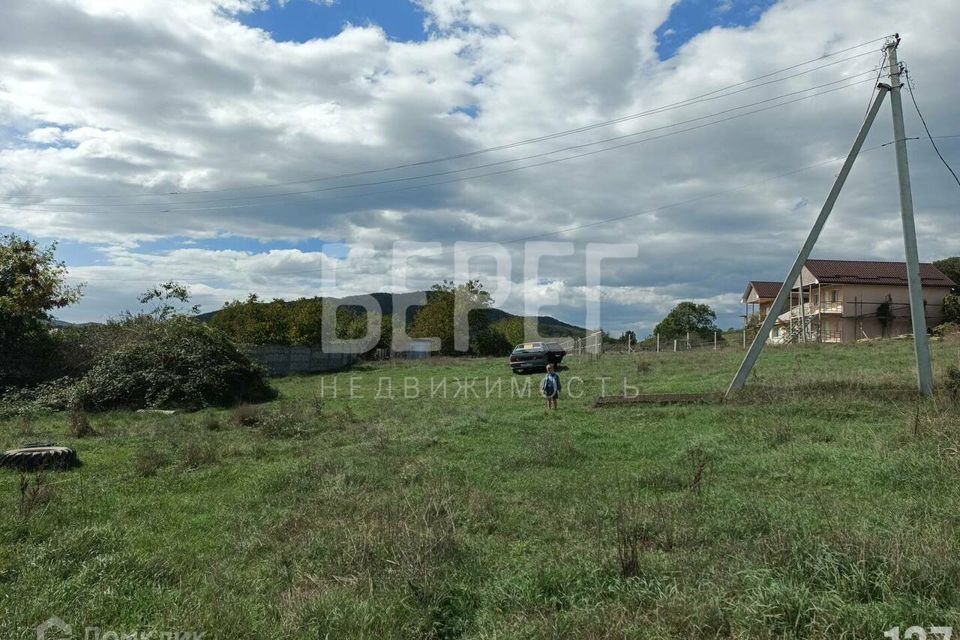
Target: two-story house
<point x="848" y="300"/>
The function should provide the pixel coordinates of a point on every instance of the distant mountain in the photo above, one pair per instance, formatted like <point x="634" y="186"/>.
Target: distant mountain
<point x="56" y="323"/>
<point x="548" y="326"/>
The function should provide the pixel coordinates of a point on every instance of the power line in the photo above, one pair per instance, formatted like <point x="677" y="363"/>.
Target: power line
<point x="925" y="128"/>
<point x="72" y="209"/>
<point x="686" y="102"/>
<point x="883" y="59"/>
<point x="596" y="222"/>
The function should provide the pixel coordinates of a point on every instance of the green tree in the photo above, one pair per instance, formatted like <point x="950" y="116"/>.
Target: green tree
<point x="32" y="284"/>
<point x="950" y="268"/>
<point x="511" y="329"/>
<point x="489" y="342"/>
<point x="251" y="321"/>
<point x="304" y="321"/>
<point x="697" y="319"/>
<point x="436" y="319"/>
<point x="171" y="298"/>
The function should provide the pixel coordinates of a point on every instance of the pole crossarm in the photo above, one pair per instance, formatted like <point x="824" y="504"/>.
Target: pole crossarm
<point x="740" y="379"/>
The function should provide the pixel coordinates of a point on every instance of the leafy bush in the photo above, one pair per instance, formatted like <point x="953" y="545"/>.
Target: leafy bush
<point x="947" y="329"/>
<point x="489" y="342"/>
<point x="176" y="362"/>
<point x="79" y="347"/>
<point x="56" y="394"/>
<point x="953" y="381"/>
<point x="951" y="308"/>
<point x="511" y="329"/>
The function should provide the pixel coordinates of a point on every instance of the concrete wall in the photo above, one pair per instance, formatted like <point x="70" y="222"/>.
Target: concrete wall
<point x="283" y="361"/>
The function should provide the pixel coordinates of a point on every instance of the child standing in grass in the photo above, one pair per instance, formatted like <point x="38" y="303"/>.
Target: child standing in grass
<point x="550" y="387"/>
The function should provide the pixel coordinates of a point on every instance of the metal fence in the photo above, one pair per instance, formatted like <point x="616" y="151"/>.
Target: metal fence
<point x="690" y="342"/>
<point x="591" y="344"/>
<point x="283" y="360"/>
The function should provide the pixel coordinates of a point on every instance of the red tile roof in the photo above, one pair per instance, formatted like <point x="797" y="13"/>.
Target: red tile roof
<point x="868" y="272"/>
<point x="766" y="289"/>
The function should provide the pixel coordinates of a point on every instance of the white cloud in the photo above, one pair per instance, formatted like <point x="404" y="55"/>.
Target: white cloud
<point x="45" y="135"/>
<point x="157" y="97"/>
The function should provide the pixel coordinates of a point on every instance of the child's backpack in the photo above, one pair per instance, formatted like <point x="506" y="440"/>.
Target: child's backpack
<point x="549" y="386"/>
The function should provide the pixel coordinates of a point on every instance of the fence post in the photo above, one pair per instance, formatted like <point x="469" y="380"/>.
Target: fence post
<point x="714" y="340"/>
<point x="688" y="341"/>
<point x="658" y="343"/>
<point x="674" y="345"/>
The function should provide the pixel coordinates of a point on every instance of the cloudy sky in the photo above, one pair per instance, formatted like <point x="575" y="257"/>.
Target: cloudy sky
<point x="282" y="146"/>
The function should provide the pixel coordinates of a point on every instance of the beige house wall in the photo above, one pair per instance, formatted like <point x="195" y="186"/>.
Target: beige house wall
<point x="864" y="300"/>
<point x="840" y="319"/>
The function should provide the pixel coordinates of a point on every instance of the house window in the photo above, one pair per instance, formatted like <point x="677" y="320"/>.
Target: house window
<point x="833" y="295"/>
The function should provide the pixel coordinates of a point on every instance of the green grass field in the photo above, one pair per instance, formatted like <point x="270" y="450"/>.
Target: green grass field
<point x="824" y="503"/>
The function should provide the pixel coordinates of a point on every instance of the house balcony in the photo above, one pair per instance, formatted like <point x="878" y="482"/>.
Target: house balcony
<point x="812" y="308"/>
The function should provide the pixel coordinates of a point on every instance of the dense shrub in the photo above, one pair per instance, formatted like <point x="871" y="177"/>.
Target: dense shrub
<point x="489" y="342"/>
<point x="953" y="381"/>
<point x="79" y="347"/>
<point x="951" y="308"/>
<point x="947" y="329"/>
<point x="176" y="362"/>
<point x="511" y="329"/>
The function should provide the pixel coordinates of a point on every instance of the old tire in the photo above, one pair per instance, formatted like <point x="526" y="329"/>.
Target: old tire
<point x="38" y="457"/>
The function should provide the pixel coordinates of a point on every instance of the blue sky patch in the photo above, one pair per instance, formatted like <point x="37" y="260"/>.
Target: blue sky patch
<point x="690" y="17"/>
<point x="303" y="20"/>
<point x="74" y="254"/>
<point x="243" y="243"/>
<point x="470" y="110"/>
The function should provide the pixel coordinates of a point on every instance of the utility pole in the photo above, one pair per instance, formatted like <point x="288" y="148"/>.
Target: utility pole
<point x="803" y="317"/>
<point x="914" y="284"/>
<point x="756" y="346"/>
<point x="917" y="316"/>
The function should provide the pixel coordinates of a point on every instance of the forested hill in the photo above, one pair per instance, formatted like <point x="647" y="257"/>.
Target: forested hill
<point x="548" y="325"/>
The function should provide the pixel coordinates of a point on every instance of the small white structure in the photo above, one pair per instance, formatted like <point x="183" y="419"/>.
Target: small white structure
<point x="416" y="349"/>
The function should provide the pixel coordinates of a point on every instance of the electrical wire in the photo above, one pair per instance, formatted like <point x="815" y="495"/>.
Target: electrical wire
<point x="595" y="223"/>
<point x="927" y="129"/>
<point x="72" y="207"/>
<point x="883" y="60"/>
<point x="678" y="104"/>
